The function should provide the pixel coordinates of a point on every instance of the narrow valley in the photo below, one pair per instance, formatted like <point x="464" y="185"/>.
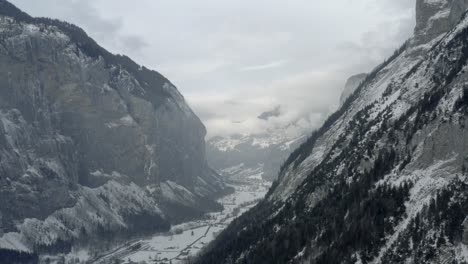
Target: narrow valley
<point x="185" y="240"/>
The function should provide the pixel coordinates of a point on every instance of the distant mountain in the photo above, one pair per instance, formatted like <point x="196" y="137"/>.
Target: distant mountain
<point x="93" y="147"/>
<point x="385" y="179"/>
<point x="260" y="155"/>
<point x="238" y="157"/>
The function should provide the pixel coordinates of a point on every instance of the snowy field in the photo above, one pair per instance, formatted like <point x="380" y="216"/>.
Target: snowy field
<point x="189" y="238"/>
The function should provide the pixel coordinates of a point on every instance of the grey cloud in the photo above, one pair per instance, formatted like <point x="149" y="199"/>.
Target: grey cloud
<point x="232" y="102"/>
<point x="134" y="43"/>
<point x="270" y="65"/>
<point x="397" y="6"/>
<point x="376" y="45"/>
<point x="233" y="60"/>
<point x="305" y="97"/>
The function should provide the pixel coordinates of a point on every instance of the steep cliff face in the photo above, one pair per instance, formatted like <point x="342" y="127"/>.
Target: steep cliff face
<point x="351" y="85"/>
<point x="90" y="141"/>
<point x="435" y="17"/>
<point x="385" y="179"/>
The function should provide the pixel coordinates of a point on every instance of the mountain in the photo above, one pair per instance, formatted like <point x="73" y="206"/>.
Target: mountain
<point x="351" y="85"/>
<point x="240" y="156"/>
<point x="92" y="145"/>
<point x="384" y="180"/>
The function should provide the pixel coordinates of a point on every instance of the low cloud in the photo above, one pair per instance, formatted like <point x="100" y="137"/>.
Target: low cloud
<point x="375" y="45"/>
<point x="305" y="100"/>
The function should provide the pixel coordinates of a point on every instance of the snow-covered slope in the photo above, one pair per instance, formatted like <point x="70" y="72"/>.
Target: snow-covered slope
<point x="385" y="179"/>
<point x="92" y="145"/>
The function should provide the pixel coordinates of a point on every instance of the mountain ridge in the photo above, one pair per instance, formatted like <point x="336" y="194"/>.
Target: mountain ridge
<point x="384" y="180"/>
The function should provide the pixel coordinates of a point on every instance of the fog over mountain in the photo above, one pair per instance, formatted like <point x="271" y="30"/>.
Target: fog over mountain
<point x="232" y="67"/>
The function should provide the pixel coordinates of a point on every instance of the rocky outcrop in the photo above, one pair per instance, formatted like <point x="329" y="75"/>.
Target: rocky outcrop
<point x="91" y="141"/>
<point x="351" y="85"/>
<point x="436" y="17"/>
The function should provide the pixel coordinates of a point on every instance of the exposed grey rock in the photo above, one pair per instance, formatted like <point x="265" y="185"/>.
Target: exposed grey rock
<point x="351" y="85"/>
<point x="1" y="224"/>
<point x="269" y="114"/>
<point x="79" y="125"/>
<point x="465" y="232"/>
<point x="436" y="17"/>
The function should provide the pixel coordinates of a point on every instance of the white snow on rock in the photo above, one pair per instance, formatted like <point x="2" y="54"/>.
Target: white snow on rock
<point x="13" y="241"/>
<point x="187" y="239"/>
<point x="104" y="206"/>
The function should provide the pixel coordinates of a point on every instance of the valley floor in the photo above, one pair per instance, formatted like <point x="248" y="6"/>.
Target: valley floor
<point x="187" y="239"/>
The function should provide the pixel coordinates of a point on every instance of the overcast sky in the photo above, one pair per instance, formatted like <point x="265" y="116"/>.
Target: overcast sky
<point x="233" y="60"/>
